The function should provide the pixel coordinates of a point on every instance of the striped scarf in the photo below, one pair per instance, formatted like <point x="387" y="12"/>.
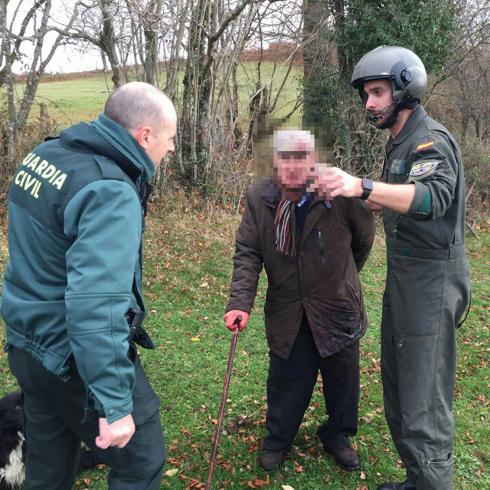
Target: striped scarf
<point x="283" y="226"/>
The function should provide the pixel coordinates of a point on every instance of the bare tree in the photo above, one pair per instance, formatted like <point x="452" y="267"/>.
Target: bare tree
<point x="31" y="29"/>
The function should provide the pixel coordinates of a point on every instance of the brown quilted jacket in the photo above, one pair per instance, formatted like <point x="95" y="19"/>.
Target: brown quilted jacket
<point x="321" y="281"/>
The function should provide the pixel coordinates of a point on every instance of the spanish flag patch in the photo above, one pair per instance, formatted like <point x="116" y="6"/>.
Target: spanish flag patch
<point x="424" y="146"/>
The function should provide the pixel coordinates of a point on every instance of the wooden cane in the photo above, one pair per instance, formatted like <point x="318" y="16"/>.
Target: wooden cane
<point x="224" y="396"/>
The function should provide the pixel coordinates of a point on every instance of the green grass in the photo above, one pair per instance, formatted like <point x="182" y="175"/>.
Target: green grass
<point x="82" y="99"/>
<point x="188" y="266"/>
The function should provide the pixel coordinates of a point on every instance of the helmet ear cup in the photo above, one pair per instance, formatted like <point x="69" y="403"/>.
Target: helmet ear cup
<point x="401" y="75"/>
<point x="406" y="76"/>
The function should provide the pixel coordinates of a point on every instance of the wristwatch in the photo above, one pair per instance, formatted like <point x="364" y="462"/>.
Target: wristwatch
<point x="367" y="187"/>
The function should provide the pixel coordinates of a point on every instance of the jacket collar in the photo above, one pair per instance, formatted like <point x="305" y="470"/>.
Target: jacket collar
<point x="106" y="138"/>
<point x="122" y="141"/>
<point x="414" y="120"/>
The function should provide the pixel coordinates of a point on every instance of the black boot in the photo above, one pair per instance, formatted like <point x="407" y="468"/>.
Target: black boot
<point x="271" y="460"/>
<point x="345" y="457"/>
<point x="406" y="485"/>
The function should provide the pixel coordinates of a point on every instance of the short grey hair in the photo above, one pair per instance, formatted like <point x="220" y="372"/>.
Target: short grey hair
<point x="137" y="104"/>
<point x="286" y="140"/>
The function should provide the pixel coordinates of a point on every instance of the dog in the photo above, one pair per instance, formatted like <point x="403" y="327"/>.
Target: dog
<point x="13" y="449"/>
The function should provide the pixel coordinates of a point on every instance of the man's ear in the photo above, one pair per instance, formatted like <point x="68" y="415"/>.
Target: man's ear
<point x="142" y="136"/>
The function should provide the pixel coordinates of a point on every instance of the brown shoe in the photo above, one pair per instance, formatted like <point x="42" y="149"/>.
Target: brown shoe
<point x="345" y="457"/>
<point x="271" y="460"/>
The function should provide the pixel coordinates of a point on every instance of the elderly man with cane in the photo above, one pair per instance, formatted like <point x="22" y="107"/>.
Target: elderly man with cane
<point x="312" y="251"/>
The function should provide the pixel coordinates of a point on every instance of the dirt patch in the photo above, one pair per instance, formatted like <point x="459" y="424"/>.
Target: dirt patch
<point x="276" y="52"/>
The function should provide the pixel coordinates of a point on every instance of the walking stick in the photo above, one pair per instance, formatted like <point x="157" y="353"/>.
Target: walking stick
<point x="224" y="396"/>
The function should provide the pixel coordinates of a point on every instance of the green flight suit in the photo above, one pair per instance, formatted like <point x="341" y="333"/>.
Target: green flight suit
<point x="426" y="294"/>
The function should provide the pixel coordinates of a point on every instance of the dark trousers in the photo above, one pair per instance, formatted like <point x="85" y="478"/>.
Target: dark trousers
<point x="290" y="387"/>
<point x="53" y="428"/>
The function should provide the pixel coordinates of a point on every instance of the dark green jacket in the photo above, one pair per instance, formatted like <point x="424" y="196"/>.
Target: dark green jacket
<point x="425" y="153"/>
<point x="75" y="228"/>
<point x="321" y="281"/>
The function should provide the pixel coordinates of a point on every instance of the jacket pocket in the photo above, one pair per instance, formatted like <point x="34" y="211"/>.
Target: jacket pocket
<point x="346" y="322"/>
<point x="357" y="300"/>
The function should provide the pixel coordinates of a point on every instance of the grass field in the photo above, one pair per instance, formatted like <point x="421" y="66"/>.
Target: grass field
<point x="82" y="99"/>
<point x="188" y="265"/>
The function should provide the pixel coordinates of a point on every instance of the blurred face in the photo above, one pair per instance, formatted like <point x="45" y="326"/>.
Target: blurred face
<point x="293" y="168"/>
<point x="378" y="100"/>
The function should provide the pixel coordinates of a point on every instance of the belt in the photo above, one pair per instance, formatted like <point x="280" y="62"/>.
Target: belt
<point x="396" y="247"/>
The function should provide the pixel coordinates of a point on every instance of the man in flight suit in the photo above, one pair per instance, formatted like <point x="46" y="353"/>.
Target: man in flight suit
<point x="72" y="302"/>
<point x="422" y="196"/>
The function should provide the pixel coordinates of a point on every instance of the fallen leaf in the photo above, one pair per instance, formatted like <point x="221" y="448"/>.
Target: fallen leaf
<point x="195" y="339"/>
<point x="362" y="476"/>
<point x="257" y="483"/>
<point x="287" y="487"/>
<point x="193" y="483"/>
<point x="171" y="472"/>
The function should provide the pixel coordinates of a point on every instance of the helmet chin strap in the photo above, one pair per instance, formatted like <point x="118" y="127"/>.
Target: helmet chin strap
<point x="391" y="111"/>
<point x="374" y="118"/>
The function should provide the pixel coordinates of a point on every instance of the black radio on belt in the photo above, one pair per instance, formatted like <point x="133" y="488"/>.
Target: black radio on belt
<point x="137" y="333"/>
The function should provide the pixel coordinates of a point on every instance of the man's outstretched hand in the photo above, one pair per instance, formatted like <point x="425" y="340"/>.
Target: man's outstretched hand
<point x="232" y="320"/>
<point x="117" y="434"/>
<point x="330" y="182"/>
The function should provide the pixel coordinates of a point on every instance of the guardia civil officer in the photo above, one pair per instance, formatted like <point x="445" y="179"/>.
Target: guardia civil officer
<point x="72" y="301"/>
<point x="421" y="194"/>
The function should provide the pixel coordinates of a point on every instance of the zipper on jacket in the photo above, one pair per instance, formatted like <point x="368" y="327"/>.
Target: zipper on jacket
<point x="321" y="245"/>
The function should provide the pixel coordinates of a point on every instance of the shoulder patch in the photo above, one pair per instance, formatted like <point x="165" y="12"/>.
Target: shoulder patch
<point x="426" y="167"/>
<point x="424" y="146"/>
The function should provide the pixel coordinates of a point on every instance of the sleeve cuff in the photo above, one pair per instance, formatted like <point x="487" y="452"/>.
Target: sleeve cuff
<point x="116" y="412"/>
<point x="234" y="306"/>
<point x="421" y="206"/>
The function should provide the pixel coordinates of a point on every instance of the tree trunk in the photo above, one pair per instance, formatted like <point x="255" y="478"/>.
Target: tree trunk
<point x="9" y="145"/>
<point x="318" y="79"/>
<point x="196" y="91"/>
<point x="108" y="43"/>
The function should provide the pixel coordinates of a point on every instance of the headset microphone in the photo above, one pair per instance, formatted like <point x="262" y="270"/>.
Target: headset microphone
<point x="374" y="118"/>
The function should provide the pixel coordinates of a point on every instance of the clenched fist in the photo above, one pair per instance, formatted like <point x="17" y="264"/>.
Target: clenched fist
<point x="117" y="434"/>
